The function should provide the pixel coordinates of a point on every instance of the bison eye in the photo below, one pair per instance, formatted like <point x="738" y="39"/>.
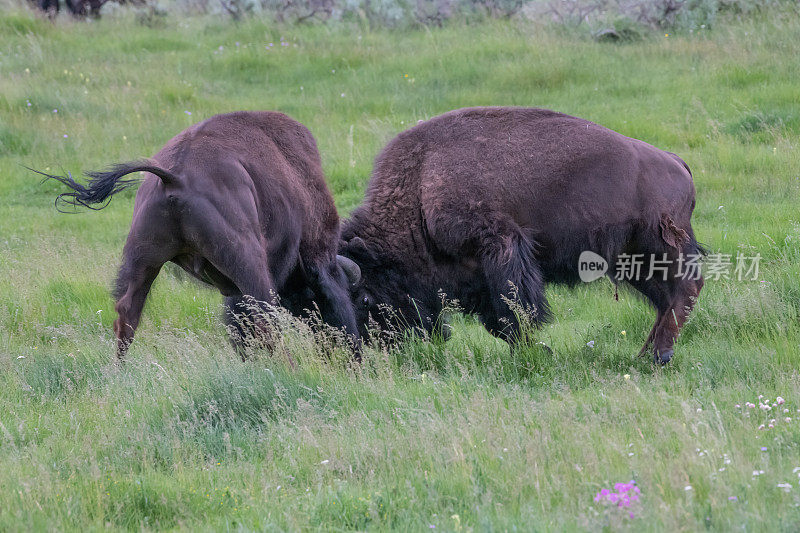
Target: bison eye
<point x="365" y="301"/>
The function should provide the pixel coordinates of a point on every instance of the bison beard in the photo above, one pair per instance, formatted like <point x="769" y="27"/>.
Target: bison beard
<point x="487" y="205"/>
<point x="239" y="201"/>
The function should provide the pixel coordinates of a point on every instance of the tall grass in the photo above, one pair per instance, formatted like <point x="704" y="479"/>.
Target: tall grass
<point x="460" y="435"/>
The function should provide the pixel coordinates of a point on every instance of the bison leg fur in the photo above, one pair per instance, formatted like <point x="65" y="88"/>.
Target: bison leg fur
<point x="516" y="290"/>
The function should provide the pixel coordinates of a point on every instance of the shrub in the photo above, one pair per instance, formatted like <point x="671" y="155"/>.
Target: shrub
<point x="607" y="15"/>
<point x="612" y="20"/>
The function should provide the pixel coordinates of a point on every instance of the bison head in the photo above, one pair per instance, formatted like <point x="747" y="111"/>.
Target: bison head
<point x="383" y="293"/>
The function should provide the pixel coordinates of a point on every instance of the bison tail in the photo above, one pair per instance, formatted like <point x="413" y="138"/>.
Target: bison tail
<point x="103" y="185"/>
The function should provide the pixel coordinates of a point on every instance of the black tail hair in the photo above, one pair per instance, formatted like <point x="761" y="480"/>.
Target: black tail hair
<point x="702" y="249"/>
<point x="695" y="246"/>
<point x="103" y="185"/>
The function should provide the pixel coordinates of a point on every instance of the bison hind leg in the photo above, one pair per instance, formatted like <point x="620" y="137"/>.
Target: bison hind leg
<point x="135" y="278"/>
<point x="516" y="288"/>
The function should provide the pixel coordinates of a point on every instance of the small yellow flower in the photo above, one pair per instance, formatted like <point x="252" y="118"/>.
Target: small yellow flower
<point x="627" y="377"/>
<point x="623" y="332"/>
<point x="666" y="35"/>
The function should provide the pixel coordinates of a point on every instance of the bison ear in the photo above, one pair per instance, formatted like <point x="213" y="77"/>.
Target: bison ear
<point x="672" y="234"/>
<point x="350" y="268"/>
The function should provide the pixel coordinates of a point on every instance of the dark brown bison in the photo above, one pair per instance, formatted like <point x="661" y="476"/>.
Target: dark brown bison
<point x="239" y="201"/>
<point x="487" y="205"/>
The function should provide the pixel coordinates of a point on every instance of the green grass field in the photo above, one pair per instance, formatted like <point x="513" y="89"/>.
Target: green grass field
<point x="458" y="436"/>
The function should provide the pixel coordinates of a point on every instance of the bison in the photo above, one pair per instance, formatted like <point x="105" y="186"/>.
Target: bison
<point x="487" y="205"/>
<point x="239" y="201"/>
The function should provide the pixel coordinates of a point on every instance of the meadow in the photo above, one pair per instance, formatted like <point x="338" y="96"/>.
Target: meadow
<point x="456" y="436"/>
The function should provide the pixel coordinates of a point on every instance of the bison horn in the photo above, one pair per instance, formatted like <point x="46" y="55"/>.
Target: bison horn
<point x="351" y="269"/>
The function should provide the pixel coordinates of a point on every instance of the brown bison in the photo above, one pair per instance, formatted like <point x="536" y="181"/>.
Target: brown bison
<point x="239" y="201"/>
<point x="487" y="205"/>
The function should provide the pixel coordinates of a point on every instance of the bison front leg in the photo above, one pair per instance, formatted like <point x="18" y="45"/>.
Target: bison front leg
<point x="248" y="312"/>
<point x="249" y="325"/>
<point x="516" y="290"/>
<point x="515" y="300"/>
<point x="330" y="285"/>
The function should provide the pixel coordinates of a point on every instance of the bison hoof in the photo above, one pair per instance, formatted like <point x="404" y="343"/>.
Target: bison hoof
<point x="662" y="358"/>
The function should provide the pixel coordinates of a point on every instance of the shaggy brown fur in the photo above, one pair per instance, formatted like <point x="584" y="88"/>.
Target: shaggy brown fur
<point x="488" y="204"/>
